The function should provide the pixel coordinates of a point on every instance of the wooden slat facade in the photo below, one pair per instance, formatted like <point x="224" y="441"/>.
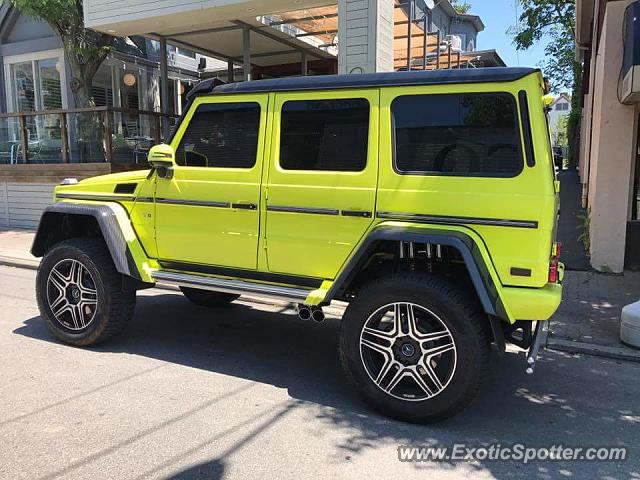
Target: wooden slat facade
<point x="26" y="190"/>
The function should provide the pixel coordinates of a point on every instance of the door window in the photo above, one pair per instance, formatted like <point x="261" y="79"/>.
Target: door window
<point x="460" y="134"/>
<point x="329" y="135"/>
<point x="223" y="135"/>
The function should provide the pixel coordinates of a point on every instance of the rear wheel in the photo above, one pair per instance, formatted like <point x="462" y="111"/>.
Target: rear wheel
<point x="416" y="348"/>
<point x="80" y="293"/>
<point x="207" y="298"/>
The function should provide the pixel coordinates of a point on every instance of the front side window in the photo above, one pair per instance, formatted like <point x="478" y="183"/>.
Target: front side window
<point x="325" y="135"/>
<point x="223" y="135"/>
<point x="459" y="134"/>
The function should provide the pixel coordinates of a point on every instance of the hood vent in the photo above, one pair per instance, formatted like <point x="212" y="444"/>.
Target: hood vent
<point x="125" y="188"/>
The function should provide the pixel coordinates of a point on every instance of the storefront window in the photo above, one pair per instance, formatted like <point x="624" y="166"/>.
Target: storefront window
<point x="50" y="85"/>
<point x="23" y="94"/>
<point x="35" y="85"/>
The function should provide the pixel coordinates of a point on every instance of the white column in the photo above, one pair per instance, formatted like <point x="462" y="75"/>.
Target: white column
<point x="365" y="36"/>
<point x="613" y="150"/>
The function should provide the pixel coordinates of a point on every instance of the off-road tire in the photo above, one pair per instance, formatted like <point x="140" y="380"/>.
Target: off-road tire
<point x="115" y="305"/>
<point x="207" y="298"/>
<point x="462" y="315"/>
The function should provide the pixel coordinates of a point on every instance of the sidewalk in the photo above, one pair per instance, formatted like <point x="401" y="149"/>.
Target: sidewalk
<point x="14" y="248"/>
<point x="588" y="320"/>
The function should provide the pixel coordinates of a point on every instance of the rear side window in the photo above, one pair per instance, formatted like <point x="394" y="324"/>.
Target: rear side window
<point x="329" y="135"/>
<point x="223" y="135"/>
<point x="457" y="134"/>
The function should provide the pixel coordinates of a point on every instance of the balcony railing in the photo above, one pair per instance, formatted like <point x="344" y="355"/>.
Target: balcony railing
<point x="82" y="135"/>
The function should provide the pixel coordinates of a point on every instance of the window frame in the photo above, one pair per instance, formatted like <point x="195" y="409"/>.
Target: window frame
<point x="33" y="58"/>
<point x="277" y="161"/>
<point x="178" y="137"/>
<point x="517" y="123"/>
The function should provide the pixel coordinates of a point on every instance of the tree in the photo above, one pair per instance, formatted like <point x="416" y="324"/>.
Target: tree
<point x="84" y="49"/>
<point x="555" y="20"/>
<point x="461" y="6"/>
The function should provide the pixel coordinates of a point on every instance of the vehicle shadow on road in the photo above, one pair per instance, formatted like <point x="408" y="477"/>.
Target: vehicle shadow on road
<point x="567" y="401"/>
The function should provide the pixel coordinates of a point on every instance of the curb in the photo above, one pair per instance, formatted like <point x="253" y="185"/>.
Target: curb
<point x="19" y="262"/>
<point x="615" y="353"/>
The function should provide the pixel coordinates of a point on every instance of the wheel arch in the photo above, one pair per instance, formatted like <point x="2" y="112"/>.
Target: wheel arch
<point x="483" y="282"/>
<point x="65" y="220"/>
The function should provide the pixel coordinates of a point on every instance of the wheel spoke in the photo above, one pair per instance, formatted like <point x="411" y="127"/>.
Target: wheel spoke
<point x="420" y="381"/>
<point x="386" y="368"/>
<point x="88" y="295"/>
<point x="59" y="305"/>
<point x="440" y="349"/>
<point x="432" y="337"/>
<point x="58" y="280"/>
<point x="379" y="334"/>
<point x="377" y="347"/>
<point x="430" y="372"/>
<point x="77" y="316"/>
<point x="399" y="375"/>
<point x="75" y="273"/>
<point x="412" y="326"/>
<point x="397" y="318"/>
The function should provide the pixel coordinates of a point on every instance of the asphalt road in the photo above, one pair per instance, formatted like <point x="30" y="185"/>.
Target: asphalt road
<point x="250" y="391"/>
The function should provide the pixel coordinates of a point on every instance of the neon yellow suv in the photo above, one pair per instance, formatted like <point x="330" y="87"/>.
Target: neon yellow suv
<point x="425" y="200"/>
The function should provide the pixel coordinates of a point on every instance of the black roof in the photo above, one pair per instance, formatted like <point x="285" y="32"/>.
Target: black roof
<point x="323" y="82"/>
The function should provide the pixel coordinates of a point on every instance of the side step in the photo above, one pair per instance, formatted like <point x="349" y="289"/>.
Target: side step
<point x="229" y="286"/>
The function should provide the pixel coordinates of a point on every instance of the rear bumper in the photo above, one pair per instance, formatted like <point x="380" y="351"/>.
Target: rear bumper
<point x="533" y="303"/>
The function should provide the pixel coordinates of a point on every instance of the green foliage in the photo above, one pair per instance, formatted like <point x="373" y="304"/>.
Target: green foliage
<point x="584" y="228"/>
<point x="461" y="6"/>
<point x="85" y="49"/>
<point x="574" y="121"/>
<point x="559" y="132"/>
<point x="555" y="20"/>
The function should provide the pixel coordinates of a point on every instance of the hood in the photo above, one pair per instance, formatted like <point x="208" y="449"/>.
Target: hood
<point x="125" y="182"/>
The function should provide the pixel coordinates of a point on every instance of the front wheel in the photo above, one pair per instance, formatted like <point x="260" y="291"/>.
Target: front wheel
<point x="415" y="347"/>
<point x="80" y="293"/>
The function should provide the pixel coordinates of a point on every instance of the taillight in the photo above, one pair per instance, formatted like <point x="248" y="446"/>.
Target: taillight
<point x="556" y="250"/>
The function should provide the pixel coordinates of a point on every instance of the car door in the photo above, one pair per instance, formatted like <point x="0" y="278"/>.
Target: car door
<point x="208" y="212"/>
<point x="321" y="185"/>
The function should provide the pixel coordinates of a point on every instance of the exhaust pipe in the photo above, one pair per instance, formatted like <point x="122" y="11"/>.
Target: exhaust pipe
<point x="317" y="315"/>
<point x="304" y="312"/>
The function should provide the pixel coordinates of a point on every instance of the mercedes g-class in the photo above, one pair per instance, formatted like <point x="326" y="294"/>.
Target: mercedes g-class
<point x="425" y="200"/>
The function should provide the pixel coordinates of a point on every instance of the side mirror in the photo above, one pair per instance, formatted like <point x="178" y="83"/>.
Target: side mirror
<point x="162" y="158"/>
<point x="162" y="154"/>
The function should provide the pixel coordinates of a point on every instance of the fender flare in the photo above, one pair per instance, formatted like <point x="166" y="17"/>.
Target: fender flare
<point x="106" y="216"/>
<point x="483" y="282"/>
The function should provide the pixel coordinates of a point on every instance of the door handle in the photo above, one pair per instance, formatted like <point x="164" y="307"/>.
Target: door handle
<point x="356" y="213"/>
<point x="244" y="206"/>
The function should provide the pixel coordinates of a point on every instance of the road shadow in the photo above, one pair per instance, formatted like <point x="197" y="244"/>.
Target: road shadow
<point x="569" y="401"/>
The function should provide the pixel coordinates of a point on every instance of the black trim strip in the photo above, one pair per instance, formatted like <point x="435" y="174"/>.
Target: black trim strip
<point x="313" y="211"/>
<point x="244" y="206"/>
<point x="416" y="217"/>
<point x="144" y="199"/>
<point x="193" y="203"/>
<point x="242" y="274"/>
<point x="356" y="213"/>
<point x="102" y="198"/>
<point x="526" y="128"/>
<point x="520" y="272"/>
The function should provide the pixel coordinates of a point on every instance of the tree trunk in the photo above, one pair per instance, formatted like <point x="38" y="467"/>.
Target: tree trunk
<point x="80" y="84"/>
